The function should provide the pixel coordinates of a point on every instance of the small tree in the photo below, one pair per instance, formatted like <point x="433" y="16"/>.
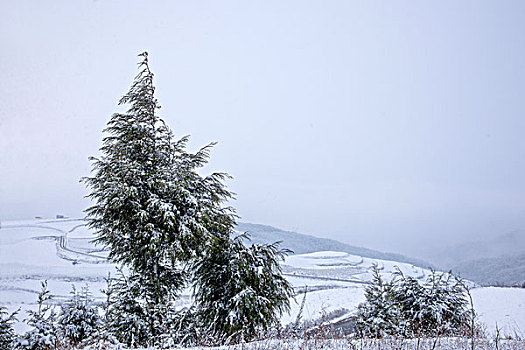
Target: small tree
<point x="103" y="337"/>
<point x="43" y="335"/>
<point x="240" y="290"/>
<point x="378" y="316"/>
<point x="126" y="317"/>
<point x="132" y="316"/>
<point x="414" y="305"/>
<point x="78" y="319"/>
<point x="438" y="307"/>
<point x="7" y="332"/>
<point x="406" y="307"/>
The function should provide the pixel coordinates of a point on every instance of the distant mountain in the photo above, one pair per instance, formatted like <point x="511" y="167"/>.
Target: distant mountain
<point x="508" y="244"/>
<point x="505" y="270"/>
<point x="301" y="244"/>
<point x="497" y="261"/>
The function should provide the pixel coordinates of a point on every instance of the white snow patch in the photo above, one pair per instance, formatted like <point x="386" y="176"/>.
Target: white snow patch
<point x="504" y="307"/>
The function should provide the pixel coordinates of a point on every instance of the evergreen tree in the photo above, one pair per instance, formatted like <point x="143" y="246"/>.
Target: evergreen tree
<point x="152" y="209"/>
<point x="406" y="307"/>
<point x="103" y="338"/>
<point x="240" y="290"/>
<point x="162" y="220"/>
<point x="7" y="332"/>
<point x="441" y="307"/>
<point x="125" y="317"/>
<point x="413" y="302"/>
<point x="378" y="316"/>
<point x="43" y="335"/>
<point x="78" y="319"/>
<point x="132" y="316"/>
<point x="131" y="214"/>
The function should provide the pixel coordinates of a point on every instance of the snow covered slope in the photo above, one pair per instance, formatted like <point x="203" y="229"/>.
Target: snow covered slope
<point x="334" y="281"/>
<point x="61" y="252"/>
<point x="301" y="243"/>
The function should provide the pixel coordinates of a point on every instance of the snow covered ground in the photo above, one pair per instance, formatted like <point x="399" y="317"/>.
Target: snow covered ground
<point x="373" y="344"/>
<point x="60" y="251"/>
<point x="501" y="307"/>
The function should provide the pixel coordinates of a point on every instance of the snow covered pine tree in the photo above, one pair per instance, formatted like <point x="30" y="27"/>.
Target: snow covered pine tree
<point x="43" y="335"/>
<point x="78" y="319"/>
<point x="379" y="315"/>
<point x="7" y="332"/>
<point x="408" y="308"/>
<point x="160" y="218"/>
<point x="240" y="291"/>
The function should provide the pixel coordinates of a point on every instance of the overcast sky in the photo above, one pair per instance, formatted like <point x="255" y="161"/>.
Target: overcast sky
<point x="387" y="124"/>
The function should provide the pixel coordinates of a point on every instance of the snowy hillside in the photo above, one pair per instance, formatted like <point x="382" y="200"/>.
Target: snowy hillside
<point x="301" y="243"/>
<point x="60" y="251"/>
<point x="334" y="281"/>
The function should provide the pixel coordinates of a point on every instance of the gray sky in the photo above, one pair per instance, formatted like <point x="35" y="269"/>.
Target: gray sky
<point x="387" y="124"/>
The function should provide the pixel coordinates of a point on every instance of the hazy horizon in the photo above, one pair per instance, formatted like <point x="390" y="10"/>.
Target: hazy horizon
<point x="392" y="126"/>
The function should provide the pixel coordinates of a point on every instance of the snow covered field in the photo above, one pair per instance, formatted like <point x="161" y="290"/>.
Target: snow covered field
<point x="373" y="344"/>
<point x="60" y="251"/>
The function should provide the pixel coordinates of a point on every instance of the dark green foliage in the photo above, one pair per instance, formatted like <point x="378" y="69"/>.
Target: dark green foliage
<point x="78" y="319"/>
<point x="405" y="307"/>
<point x="184" y="328"/>
<point x="240" y="290"/>
<point x="7" y="333"/>
<point x="151" y="207"/>
<point x="124" y="316"/>
<point x="132" y="215"/>
<point x="133" y="314"/>
<point x="43" y="335"/>
<point x="378" y="315"/>
<point x="439" y="307"/>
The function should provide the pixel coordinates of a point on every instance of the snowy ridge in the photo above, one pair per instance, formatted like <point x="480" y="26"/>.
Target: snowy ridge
<point x="301" y="243"/>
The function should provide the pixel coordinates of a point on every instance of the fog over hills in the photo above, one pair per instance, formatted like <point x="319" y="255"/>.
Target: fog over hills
<point x="499" y="261"/>
<point x="505" y="270"/>
<point x="301" y="243"/>
<point x="508" y="244"/>
<point x="496" y="261"/>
